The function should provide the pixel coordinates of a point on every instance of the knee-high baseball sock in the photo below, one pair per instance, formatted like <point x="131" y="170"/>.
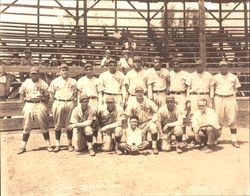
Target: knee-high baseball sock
<point x="95" y="134"/>
<point x="58" y="137"/>
<point x="178" y="139"/>
<point x="89" y="139"/>
<point x="117" y="141"/>
<point x="154" y="140"/>
<point x="70" y="135"/>
<point x="47" y="138"/>
<point x="234" y="133"/>
<point x="25" y="139"/>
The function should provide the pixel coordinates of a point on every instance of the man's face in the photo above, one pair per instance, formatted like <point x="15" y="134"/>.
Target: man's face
<point x="107" y="55"/>
<point x="34" y="77"/>
<point x="157" y="64"/>
<point x="84" y="103"/>
<point x="133" y="123"/>
<point x="177" y="66"/>
<point x="110" y="105"/>
<point x="64" y="72"/>
<point x="200" y="68"/>
<point x="89" y="71"/>
<point x="27" y="54"/>
<point x="137" y="64"/>
<point x="112" y="67"/>
<point x="224" y="69"/>
<point x="139" y="94"/>
<point x="202" y="105"/>
<point x="170" y="104"/>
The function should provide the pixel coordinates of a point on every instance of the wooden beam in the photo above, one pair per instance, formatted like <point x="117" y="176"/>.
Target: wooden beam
<point x="246" y="23"/>
<point x="208" y="11"/>
<point x="86" y="10"/>
<point x="66" y="10"/>
<point x="8" y="6"/>
<point x="157" y="12"/>
<point x="136" y="10"/>
<point x="231" y="11"/>
<point x="202" y="35"/>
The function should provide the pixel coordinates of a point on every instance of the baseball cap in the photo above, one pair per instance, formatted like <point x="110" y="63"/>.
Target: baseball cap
<point x="27" y="51"/>
<point x="63" y="66"/>
<point x="199" y="62"/>
<point x="170" y="97"/>
<point x="137" y="58"/>
<point x="221" y="63"/>
<point x="157" y="58"/>
<point x="34" y="70"/>
<point x="88" y="65"/>
<point x="139" y="88"/>
<point x="125" y="51"/>
<point x="110" y="99"/>
<point x="112" y="60"/>
<point x="83" y="96"/>
<point x="107" y="51"/>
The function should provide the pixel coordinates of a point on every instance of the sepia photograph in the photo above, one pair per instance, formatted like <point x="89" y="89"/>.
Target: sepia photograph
<point x="124" y="97"/>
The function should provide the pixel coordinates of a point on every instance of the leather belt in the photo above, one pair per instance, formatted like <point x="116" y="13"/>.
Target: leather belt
<point x="63" y="100"/>
<point x="224" y="95"/>
<point x="92" y="97"/>
<point x="177" y="92"/>
<point x="161" y="91"/>
<point x="202" y="93"/>
<point x="111" y="94"/>
<point x="38" y="101"/>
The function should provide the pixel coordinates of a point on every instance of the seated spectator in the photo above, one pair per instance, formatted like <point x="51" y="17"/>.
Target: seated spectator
<point x="106" y="59"/>
<point x="126" y="61"/>
<point x="130" y="45"/>
<point x="206" y="126"/>
<point x="117" y="36"/>
<point x="27" y="59"/>
<point x="134" y="139"/>
<point x="124" y="36"/>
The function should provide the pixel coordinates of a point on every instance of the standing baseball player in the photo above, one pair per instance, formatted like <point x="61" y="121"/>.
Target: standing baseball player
<point x="63" y="93"/>
<point x="135" y="77"/>
<point x="111" y="116"/>
<point x="206" y="126"/>
<point x="112" y="83"/>
<point x="34" y="94"/>
<point x="226" y="84"/>
<point x="81" y="122"/>
<point x="200" y="85"/>
<point x="158" y="82"/>
<point x="179" y="82"/>
<point x="90" y="86"/>
<point x="145" y="109"/>
<point x="169" y="122"/>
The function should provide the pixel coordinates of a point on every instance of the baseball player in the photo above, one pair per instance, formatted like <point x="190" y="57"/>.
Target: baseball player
<point x="26" y="61"/>
<point x="179" y="82"/>
<point x="169" y="122"/>
<point x="81" y="122"/>
<point x="111" y="116"/>
<point x="135" y="77"/>
<point x="106" y="59"/>
<point x="205" y="125"/>
<point x="133" y="139"/>
<point x="158" y="82"/>
<point x="126" y="61"/>
<point x="34" y="94"/>
<point x="92" y="87"/>
<point x="145" y="109"/>
<point x="112" y="83"/>
<point x="226" y="84"/>
<point x="63" y="93"/>
<point x="200" y="85"/>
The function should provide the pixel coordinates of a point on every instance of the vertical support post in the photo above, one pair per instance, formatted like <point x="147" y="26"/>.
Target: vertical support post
<point x="38" y="27"/>
<point x="115" y="13"/>
<point x="77" y="13"/>
<point x="166" y="31"/>
<point x="246" y="27"/>
<point x="202" y="36"/>
<point x="85" y="22"/>
<point x="148" y="18"/>
<point x="220" y="29"/>
<point x="184" y="17"/>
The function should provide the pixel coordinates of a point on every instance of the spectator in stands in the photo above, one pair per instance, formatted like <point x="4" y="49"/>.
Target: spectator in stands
<point x="27" y="59"/>
<point x="124" y="36"/>
<point x="130" y="45"/>
<point x="6" y="80"/>
<point x="16" y="59"/>
<point x="117" y="36"/>
<point x="106" y="59"/>
<point x="170" y="61"/>
<point x="126" y="61"/>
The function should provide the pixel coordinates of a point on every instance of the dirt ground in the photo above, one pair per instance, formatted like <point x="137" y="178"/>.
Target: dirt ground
<point x="37" y="172"/>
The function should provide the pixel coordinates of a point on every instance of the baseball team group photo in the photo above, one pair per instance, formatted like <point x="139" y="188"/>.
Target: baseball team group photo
<point x="94" y="107"/>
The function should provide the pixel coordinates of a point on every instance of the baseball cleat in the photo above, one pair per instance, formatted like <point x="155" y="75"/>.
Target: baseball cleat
<point x="70" y="148"/>
<point x="50" y="149"/>
<point x="236" y="145"/>
<point x="155" y="151"/>
<point x="56" y="149"/>
<point x="91" y="152"/>
<point x="21" y="151"/>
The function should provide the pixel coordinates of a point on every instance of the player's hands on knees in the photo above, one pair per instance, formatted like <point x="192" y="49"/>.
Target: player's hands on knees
<point x="71" y="126"/>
